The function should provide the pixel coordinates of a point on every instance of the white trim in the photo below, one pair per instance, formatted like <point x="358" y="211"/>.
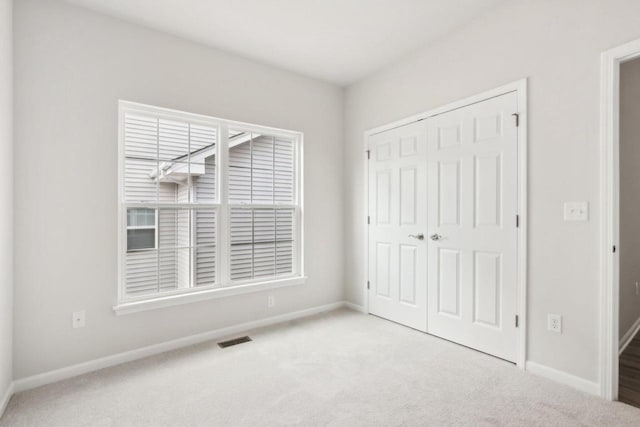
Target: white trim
<point x="169" y="113"/>
<point x="523" y="197"/>
<point x="563" y="378"/>
<point x="222" y="230"/>
<point x="520" y="87"/>
<point x="491" y="93"/>
<point x="223" y="282"/>
<point x="365" y="221"/>
<point x="6" y="398"/>
<point x="629" y="336"/>
<point x="299" y="191"/>
<point x="355" y="307"/>
<point x="128" y="356"/>
<point x="609" y="215"/>
<point x="194" y="296"/>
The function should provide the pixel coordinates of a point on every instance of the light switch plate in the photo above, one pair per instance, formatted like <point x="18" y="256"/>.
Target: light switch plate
<point x="576" y="211"/>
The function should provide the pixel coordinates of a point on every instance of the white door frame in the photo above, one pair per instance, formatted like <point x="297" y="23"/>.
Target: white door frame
<point x="610" y="213"/>
<point x="520" y="87"/>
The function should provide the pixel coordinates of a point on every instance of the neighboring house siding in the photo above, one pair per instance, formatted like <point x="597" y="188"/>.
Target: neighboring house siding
<point x="141" y="276"/>
<point x="181" y="227"/>
<point x="261" y="172"/>
<point x="205" y="185"/>
<point x="205" y="226"/>
<point x="205" y="253"/>
<point x="148" y="138"/>
<point x="167" y="238"/>
<point x="284" y="245"/>
<point x="140" y="144"/>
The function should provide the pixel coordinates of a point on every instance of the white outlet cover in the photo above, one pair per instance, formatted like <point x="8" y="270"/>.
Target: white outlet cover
<point x="576" y="211"/>
<point x="554" y="323"/>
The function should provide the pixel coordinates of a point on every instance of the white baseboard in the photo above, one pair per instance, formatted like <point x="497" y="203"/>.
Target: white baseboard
<point x="355" y="307"/>
<point x="5" y="399"/>
<point x="128" y="356"/>
<point x="629" y="336"/>
<point x="563" y="378"/>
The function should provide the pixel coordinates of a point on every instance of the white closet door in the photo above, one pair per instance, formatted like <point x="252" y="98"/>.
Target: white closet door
<point x="472" y="198"/>
<point x="398" y="211"/>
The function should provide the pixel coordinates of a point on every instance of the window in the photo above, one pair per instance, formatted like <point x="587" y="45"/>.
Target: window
<point x="141" y="229"/>
<point x="206" y="205"/>
<point x="261" y="199"/>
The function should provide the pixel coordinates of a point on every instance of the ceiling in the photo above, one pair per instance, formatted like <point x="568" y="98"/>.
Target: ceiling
<point x="340" y="41"/>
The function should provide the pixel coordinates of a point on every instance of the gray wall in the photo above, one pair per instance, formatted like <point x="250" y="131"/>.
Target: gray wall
<point x="72" y="66"/>
<point x="629" y="194"/>
<point x="557" y="44"/>
<point x="6" y="195"/>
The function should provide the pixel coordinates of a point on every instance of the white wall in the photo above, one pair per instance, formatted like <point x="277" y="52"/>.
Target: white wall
<point x="71" y="68"/>
<point x="629" y="194"/>
<point x="557" y="44"/>
<point x="6" y="195"/>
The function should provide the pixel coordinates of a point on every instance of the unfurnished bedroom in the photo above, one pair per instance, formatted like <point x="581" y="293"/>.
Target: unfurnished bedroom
<point x="297" y="212"/>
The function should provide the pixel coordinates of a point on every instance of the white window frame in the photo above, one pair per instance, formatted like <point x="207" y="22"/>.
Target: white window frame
<point x="223" y="287"/>
<point x="143" y="227"/>
<point x="295" y="205"/>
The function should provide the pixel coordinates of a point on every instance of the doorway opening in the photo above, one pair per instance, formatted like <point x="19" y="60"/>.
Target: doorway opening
<point x="620" y="244"/>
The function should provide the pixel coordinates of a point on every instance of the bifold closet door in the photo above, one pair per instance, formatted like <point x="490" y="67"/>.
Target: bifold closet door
<point x="472" y="207"/>
<point x="398" y="221"/>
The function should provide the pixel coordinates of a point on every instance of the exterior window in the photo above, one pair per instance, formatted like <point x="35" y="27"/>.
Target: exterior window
<point x="141" y="229"/>
<point x="205" y="203"/>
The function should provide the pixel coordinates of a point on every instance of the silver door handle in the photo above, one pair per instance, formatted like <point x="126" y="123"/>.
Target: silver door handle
<point x="435" y="237"/>
<point x="417" y="236"/>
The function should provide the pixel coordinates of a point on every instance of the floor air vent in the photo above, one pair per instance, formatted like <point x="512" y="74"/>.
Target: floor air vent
<point x="234" y="341"/>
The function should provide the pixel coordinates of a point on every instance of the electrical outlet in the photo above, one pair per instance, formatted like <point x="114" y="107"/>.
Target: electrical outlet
<point x="271" y="301"/>
<point x="554" y="323"/>
<point x="78" y="319"/>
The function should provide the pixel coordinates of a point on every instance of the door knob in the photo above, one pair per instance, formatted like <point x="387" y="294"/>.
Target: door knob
<point x="417" y="236"/>
<point x="435" y="237"/>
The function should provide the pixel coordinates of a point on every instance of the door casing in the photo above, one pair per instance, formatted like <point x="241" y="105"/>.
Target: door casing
<point x="520" y="87"/>
<point x="610" y="213"/>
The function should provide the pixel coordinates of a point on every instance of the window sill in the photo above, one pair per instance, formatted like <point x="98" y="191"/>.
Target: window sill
<point x="195" y="296"/>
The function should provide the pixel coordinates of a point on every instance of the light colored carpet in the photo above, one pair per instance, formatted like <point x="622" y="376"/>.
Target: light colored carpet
<point x="339" y="368"/>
